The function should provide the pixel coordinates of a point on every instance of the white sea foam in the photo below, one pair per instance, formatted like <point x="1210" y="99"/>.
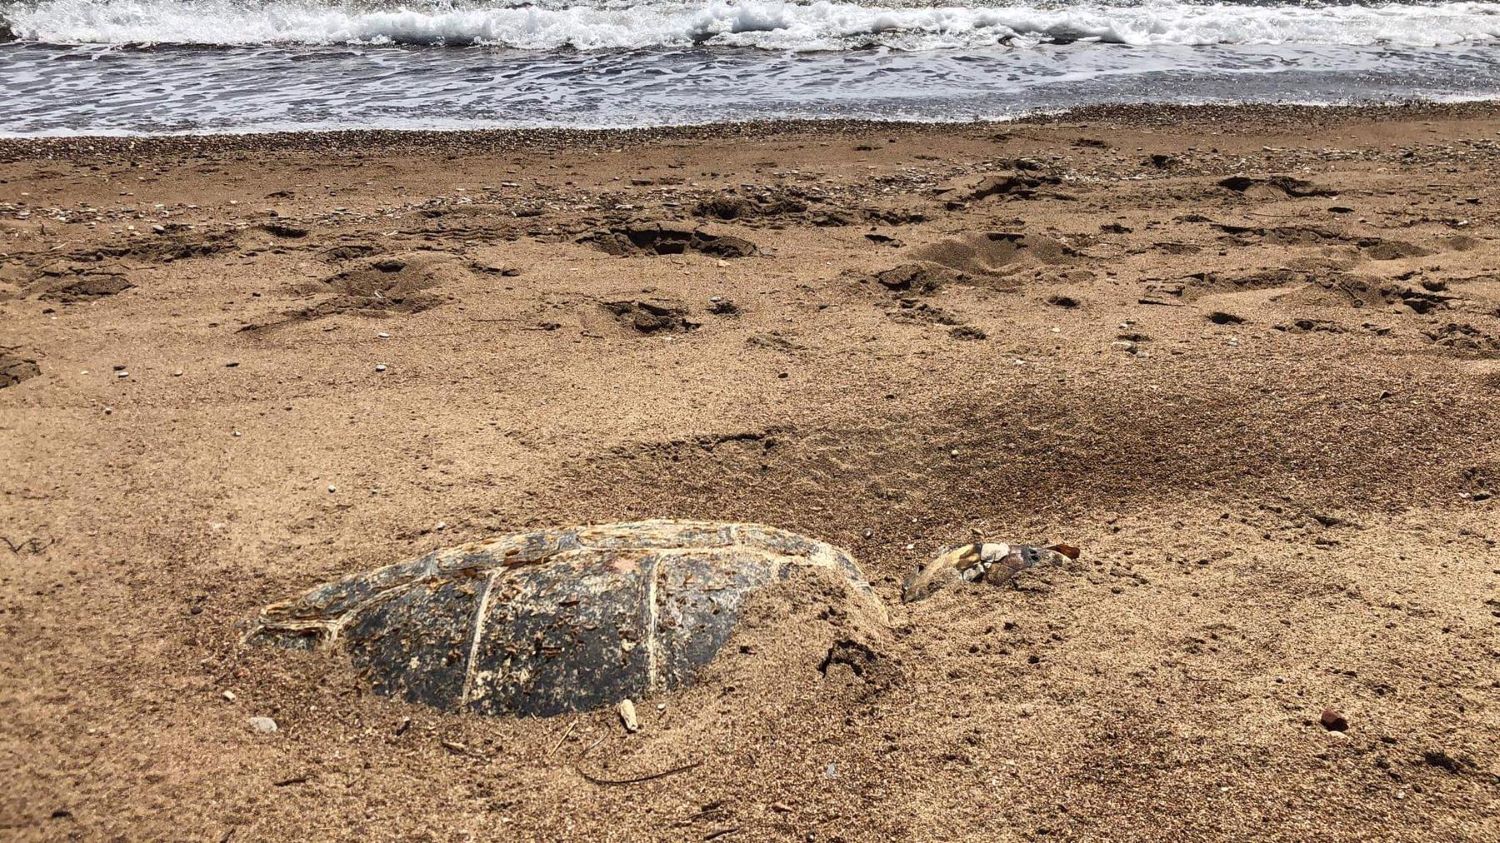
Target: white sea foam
<point x="751" y="23"/>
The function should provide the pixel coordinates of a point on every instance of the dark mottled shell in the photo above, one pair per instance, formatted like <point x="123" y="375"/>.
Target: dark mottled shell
<point x="552" y="621"/>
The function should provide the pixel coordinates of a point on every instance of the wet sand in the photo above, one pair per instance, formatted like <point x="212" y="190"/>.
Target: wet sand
<point x="1247" y="359"/>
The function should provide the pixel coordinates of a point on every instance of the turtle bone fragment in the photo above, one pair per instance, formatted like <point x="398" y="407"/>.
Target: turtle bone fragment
<point x="996" y="563"/>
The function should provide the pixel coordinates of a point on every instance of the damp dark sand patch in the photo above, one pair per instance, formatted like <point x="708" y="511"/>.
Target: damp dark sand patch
<point x="668" y="239"/>
<point x="651" y="316"/>
<point x="1465" y="340"/>
<point x="1274" y="187"/>
<point x="84" y="286"/>
<point x="916" y="312"/>
<point x="1024" y="182"/>
<point x="914" y="278"/>
<point x="1361" y="292"/>
<point x="17" y="366"/>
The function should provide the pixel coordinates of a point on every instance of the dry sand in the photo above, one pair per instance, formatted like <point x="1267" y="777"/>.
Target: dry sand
<point x="1268" y="410"/>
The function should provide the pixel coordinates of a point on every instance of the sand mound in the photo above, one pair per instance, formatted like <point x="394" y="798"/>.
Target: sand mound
<point x="381" y="286"/>
<point x="995" y="253"/>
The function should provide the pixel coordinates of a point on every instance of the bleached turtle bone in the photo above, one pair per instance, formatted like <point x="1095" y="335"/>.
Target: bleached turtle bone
<point x="996" y="563"/>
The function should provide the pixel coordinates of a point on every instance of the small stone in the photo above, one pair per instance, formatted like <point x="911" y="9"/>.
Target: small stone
<point x="176" y="373"/>
<point x="1333" y="720"/>
<point x="1127" y="346"/>
<point x="109" y="411"/>
<point x="440" y="526"/>
<point x="380" y="367"/>
<point x="229" y="695"/>
<point x="332" y="488"/>
<point x="383" y="335"/>
<point x="232" y="364"/>
<point x="121" y="373"/>
<point x="263" y="725"/>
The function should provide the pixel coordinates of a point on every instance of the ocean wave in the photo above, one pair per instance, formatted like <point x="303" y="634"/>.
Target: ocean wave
<point x="816" y="26"/>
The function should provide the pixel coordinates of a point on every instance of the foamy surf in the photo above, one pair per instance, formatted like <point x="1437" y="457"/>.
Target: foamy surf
<point x="817" y="26"/>
<point x="248" y="66"/>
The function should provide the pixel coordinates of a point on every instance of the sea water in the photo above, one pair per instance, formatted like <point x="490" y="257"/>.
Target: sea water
<point x="156" y="66"/>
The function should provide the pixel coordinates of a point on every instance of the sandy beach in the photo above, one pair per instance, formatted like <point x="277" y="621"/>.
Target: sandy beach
<point x="1247" y="359"/>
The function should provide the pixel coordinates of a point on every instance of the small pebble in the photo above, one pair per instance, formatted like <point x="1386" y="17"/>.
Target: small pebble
<point x="383" y="335"/>
<point x="332" y="488"/>
<point x="263" y="725"/>
<point x="229" y="695"/>
<point x="380" y="367"/>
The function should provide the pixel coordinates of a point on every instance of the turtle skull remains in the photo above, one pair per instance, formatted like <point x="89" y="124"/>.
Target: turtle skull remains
<point x="996" y="563"/>
<point x="557" y="620"/>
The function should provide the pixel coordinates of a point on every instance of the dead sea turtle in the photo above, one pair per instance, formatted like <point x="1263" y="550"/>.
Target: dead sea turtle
<point x="557" y="620"/>
<point x="996" y="563"/>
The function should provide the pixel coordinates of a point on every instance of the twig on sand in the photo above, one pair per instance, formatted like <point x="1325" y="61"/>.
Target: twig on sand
<point x="32" y="545"/>
<point x="578" y="765"/>
<point x="638" y="779"/>
<point x="459" y="749"/>
<point x="566" y="732"/>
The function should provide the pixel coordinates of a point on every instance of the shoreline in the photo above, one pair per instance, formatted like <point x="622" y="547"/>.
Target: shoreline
<point x="1255" y="116"/>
